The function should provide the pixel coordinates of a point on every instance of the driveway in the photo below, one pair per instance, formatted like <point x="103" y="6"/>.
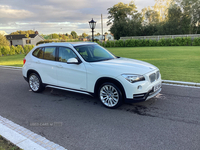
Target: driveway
<point x="80" y="122"/>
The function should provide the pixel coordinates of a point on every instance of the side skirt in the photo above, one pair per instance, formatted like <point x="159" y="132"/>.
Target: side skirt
<point x="71" y="90"/>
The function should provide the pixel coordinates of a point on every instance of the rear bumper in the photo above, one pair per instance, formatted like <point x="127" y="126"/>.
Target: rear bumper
<point x="143" y="96"/>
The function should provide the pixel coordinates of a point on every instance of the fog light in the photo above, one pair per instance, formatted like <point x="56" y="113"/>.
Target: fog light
<point x="139" y="87"/>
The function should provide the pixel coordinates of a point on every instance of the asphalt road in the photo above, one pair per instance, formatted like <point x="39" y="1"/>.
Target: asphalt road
<point x="170" y="121"/>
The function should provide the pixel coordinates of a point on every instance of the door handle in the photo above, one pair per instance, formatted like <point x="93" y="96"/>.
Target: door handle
<point x="59" y="66"/>
<point x="38" y="62"/>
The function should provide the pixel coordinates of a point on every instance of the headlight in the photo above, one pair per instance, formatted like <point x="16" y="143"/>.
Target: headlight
<point x="133" y="77"/>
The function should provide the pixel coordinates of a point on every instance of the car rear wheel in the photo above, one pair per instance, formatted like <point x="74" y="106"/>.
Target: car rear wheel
<point x="110" y="95"/>
<point x="35" y="83"/>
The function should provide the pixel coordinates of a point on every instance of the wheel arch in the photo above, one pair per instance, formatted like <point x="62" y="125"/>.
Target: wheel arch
<point x="32" y="71"/>
<point x="102" y="80"/>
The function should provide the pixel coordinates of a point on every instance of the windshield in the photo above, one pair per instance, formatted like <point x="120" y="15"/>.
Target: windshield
<point x="93" y="53"/>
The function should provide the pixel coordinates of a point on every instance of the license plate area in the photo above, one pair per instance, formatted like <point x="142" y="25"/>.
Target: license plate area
<point x="157" y="87"/>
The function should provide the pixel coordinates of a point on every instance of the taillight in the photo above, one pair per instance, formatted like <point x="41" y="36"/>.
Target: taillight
<point x="24" y="61"/>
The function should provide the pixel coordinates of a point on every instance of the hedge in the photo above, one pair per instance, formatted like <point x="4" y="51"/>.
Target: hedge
<point x="12" y="50"/>
<point x="149" y="42"/>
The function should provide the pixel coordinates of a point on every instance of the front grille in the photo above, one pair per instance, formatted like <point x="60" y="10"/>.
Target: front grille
<point x="154" y="76"/>
<point x="157" y="75"/>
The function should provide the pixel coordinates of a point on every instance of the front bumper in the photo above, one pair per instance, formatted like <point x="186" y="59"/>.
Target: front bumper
<point x="143" y="96"/>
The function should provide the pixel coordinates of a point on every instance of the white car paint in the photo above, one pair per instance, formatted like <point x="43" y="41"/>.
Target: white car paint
<point x="83" y="77"/>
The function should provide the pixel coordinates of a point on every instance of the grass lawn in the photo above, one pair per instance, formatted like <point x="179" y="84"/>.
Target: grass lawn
<point x="14" y="60"/>
<point x="5" y="145"/>
<point x="175" y="63"/>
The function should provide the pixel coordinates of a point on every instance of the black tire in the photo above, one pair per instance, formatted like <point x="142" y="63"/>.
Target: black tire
<point x="110" y="95"/>
<point x="35" y="83"/>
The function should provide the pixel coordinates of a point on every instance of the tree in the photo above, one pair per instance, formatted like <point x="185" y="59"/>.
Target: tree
<point x="84" y="35"/>
<point x="152" y="17"/>
<point x="55" y="36"/>
<point x="22" y="32"/>
<point x="74" y="34"/>
<point x="3" y="41"/>
<point x="27" y="35"/>
<point x="120" y="17"/>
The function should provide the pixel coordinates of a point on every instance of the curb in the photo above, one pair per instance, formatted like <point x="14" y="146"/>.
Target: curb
<point x="10" y="67"/>
<point x="181" y="83"/>
<point x="163" y="81"/>
<point x="24" y="138"/>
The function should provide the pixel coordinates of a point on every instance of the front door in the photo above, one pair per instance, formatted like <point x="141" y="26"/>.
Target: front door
<point x="71" y="76"/>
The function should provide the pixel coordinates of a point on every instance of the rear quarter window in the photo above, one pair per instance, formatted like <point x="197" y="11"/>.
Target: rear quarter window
<point x="38" y="53"/>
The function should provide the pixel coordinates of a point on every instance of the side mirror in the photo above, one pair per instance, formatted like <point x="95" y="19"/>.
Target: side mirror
<point x="73" y="61"/>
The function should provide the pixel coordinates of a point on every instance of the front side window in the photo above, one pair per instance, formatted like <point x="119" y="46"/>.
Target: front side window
<point x="50" y="53"/>
<point x="93" y="53"/>
<point x="65" y="54"/>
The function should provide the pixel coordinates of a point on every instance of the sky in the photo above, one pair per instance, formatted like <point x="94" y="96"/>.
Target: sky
<point x="58" y="16"/>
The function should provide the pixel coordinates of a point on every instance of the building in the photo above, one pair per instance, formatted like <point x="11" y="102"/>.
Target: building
<point x="106" y="37"/>
<point x="23" y="40"/>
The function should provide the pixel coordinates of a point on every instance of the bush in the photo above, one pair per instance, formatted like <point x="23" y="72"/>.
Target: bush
<point x="112" y="43"/>
<point x="0" y="51"/>
<point x="188" y="41"/>
<point x="28" y="48"/>
<point x="127" y="43"/>
<point x="19" y="49"/>
<point x="119" y="43"/>
<point x="196" y="42"/>
<point x="12" y="50"/>
<point x="107" y="44"/>
<point x="103" y="44"/>
<point x="45" y="41"/>
<point x="98" y="42"/>
<point x="5" y="50"/>
<point x="162" y="42"/>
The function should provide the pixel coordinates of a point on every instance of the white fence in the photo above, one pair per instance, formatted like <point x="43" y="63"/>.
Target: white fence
<point x="158" y="37"/>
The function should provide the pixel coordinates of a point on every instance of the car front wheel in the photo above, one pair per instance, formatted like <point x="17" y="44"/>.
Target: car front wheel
<point x="110" y="95"/>
<point x="35" y="83"/>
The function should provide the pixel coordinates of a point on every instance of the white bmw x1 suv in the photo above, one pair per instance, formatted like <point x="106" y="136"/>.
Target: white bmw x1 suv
<point x="91" y="69"/>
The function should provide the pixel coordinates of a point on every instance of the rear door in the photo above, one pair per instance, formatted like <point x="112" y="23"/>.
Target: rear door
<point x="45" y="64"/>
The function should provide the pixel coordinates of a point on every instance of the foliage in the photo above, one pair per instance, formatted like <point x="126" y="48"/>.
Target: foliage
<point x="22" y="32"/>
<point x="19" y="49"/>
<point x="0" y="51"/>
<point x="196" y="42"/>
<point x="3" y="41"/>
<point x="50" y="41"/>
<point x="108" y="44"/>
<point x="28" y="48"/>
<point x="12" y="50"/>
<point x="74" y="35"/>
<point x="119" y="43"/>
<point x="166" y="17"/>
<point x="5" y="50"/>
<point x="186" y="41"/>
<point x="84" y="35"/>
<point x="119" y="19"/>
<point x="55" y="36"/>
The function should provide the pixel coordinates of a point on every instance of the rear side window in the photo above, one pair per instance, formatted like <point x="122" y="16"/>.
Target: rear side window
<point x="38" y="53"/>
<point x="50" y="53"/>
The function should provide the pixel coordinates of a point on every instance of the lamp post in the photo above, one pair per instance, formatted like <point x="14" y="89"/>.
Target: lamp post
<point x="92" y="24"/>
